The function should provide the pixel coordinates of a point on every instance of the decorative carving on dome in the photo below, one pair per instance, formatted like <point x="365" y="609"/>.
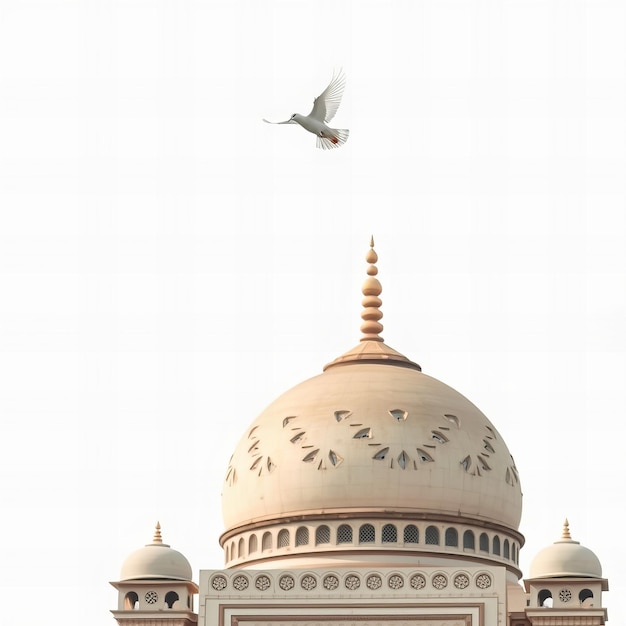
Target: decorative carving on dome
<point x="487" y="446"/>
<point x="404" y="460"/>
<point x="453" y="419"/>
<point x="491" y="431"/>
<point x="310" y="457"/>
<point x="259" y="462"/>
<point x="398" y="414"/>
<point x="511" y="476"/>
<point x="381" y="455"/>
<point x="231" y="474"/>
<point x="400" y="458"/>
<point x="477" y="463"/>
<point x="439" y="437"/>
<point x="424" y="456"/>
<point x="323" y="459"/>
<point x="473" y="466"/>
<point x="298" y="437"/>
<point x="334" y="458"/>
<point x="342" y="415"/>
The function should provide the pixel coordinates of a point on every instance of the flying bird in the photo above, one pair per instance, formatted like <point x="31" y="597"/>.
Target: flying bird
<point x="324" y="108"/>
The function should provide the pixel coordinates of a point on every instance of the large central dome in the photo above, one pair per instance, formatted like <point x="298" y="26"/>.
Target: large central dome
<point x="371" y="436"/>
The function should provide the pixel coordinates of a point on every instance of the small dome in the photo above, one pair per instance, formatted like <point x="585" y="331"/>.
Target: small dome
<point x="565" y="558"/>
<point x="156" y="560"/>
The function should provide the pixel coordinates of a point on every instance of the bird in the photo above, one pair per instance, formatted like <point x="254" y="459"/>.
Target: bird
<point x="324" y="108"/>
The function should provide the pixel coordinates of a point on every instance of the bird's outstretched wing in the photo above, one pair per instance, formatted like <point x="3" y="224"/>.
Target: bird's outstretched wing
<point x="326" y="104"/>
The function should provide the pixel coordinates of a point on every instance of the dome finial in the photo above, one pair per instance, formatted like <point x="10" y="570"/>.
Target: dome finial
<point x="371" y="313"/>
<point x="566" y="534"/>
<point x="371" y="347"/>
<point x="157" y="534"/>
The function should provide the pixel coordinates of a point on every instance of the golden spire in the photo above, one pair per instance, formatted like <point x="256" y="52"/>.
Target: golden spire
<point x="371" y="313"/>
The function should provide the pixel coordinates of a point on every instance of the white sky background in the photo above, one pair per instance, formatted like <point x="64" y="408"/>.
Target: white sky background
<point x="169" y="264"/>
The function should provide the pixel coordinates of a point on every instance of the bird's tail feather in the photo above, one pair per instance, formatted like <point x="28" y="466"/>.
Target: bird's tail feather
<point x="338" y="138"/>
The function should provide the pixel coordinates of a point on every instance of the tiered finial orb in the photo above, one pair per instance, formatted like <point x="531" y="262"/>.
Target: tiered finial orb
<point x="157" y="534"/>
<point x="566" y="533"/>
<point x="371" y="314"/>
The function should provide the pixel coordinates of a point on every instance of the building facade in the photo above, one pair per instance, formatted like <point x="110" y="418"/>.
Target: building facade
<point x="372" y="493"/>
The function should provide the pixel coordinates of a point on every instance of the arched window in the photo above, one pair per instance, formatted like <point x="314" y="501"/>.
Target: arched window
<point x="513" y="553"/>
<point x="411" y="534"/>
<point x="131" y="599"/>
<point x="483" y="542"/>
<point x="233" y="554"/>
<point x="390" y="534"/>
<point x="266" y="543"/>
<point x="322" y="535"/>
<point x="242" y="548"/>
<point x="496" y="545"/>
<point x="344" y="534"/>
<point x="506" y="548"/>
<point x="283" y="539"/>
<point x="170" y="598"/>
<point x="432" y="536"/>
<point x="544" y="597"/>
<point x="367" y="534"/>
<point x="468" y="540"/>
<point x="302" y="536"/>
<point x="586" y="597"/>
<point x="252" y="544"/>
<point x="452" y="537"/>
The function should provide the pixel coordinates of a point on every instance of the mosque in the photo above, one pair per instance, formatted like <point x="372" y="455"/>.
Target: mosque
<point x="370" y="494"/>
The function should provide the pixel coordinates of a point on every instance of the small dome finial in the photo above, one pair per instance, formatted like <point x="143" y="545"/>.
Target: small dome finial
<point x="157" y="534"/>
<point x="566" y="534"/>
<point x="371" y="313"/>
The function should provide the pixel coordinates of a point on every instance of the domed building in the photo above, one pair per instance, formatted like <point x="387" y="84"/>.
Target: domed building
<point x="566" y="579"/>
<point x="155" y="581"/>
<point x="376" y="493"/>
